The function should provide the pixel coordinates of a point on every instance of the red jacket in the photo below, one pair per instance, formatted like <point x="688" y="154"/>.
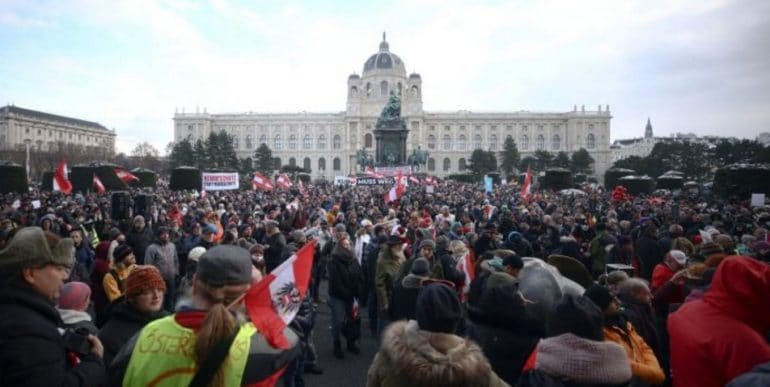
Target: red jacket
<point x="719" y="337"/>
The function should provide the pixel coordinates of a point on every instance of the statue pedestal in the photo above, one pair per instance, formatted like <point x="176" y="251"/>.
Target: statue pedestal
<point x="391" y="146"/>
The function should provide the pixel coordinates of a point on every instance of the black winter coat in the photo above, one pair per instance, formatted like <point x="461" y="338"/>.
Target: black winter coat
<point x="345" y="275"/>
<point x="649" y="253"/>
<point x="275" y="244"/>
<point x="123" y="323"/>
<point x="507" y="335"/>
<point x="139" y="242"/>
<point x="32" y="351"/>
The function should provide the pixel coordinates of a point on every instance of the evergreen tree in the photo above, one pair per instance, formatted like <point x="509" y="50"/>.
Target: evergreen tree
<point x="200" y="153"/>
<point x="263" y="160"/>
<point x="229" y="159"/>
<point x="182" y="153"/>
<point x="582" y="161"/>
<point x="482" y="162"/>
<point x="561" y="160"/>
<point x="544" y="159"/>
<point x="509" y="156"/>
<point x="527" y="162"/>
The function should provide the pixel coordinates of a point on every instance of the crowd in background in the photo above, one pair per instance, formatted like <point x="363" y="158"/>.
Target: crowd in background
<point x="665" y="290"/>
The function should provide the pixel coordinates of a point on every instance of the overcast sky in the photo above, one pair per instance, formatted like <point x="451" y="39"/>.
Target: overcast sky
<point x="699" y="66"/>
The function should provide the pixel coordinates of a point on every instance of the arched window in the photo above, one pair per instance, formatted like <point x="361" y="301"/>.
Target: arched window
<point x="431" y="164"/>
<point x="248" y="141"/>
<point x="236" y="142"/>
<point x="322" y="164"/>
<point x="399" y="89"/>
<point x="306" y="163"/>
<point x="384" y="88"/>
<point x="461" y="165"/>
<point x="447" y="142"/>
<point x="368" y="89"/>
<point x="477" y="141"/>
<point x="336" y="142"/>
<point x="415" y="91"/>
<point x="540" y="145"/>
<point x="353" y="141"/>
<point x="336" y="163"/>
<point x="431" y="142"/>
<point x="556" y="142"/>
<point x="493" y="142"/>
<point x="277" y="163"/>
<point x="590" y="141"/>
<point x="322" y="142"/>
<point x="292" y="162"/>
<point x="447" y="164"/>
<point x="307" y="142"/>
<point x="368" y="140"/>
<point x="353" y="91"/>
<point x="524" y="142"/>
<point x="461" y="142"/>
<point x="278" y="142"/>
<point x="263" y="139"/>
<point x="292" y="142"/>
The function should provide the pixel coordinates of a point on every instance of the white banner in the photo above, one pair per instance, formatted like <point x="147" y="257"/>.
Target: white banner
<point x="219" y="181"/>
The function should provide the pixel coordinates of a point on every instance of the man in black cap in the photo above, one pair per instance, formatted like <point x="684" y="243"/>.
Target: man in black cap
<point x="487" y="241"/>
<point x="212" y="316"/>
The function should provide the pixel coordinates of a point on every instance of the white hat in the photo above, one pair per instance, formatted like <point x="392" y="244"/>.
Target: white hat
<point x="679" y="256"/>
<point x="366" y="223"/>
<point x="196" y="253"/>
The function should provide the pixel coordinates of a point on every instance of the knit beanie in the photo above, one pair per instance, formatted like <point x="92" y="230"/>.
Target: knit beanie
<point x="144" y="278"/>
<point x="427" y="243"/>
<point x="599" y="295"/>
<point x="195" y="254"/>
<point x="121" y="252"/>
<point x="74" y="296"/>
<point x="438" y="309"/>
<point x="577" y="315"/>
<point x="420" y="266"/>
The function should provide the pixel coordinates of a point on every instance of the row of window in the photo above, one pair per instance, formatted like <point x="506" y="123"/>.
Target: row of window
<point x="307" y="142"/>
<point x="69" y="135"/>
<point x="522" y="144"/>
<point x="337" y="164"/>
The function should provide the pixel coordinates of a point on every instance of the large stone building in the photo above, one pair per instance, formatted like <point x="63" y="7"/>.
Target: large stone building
<point x="327" y="143"/>
<point x="46" y="132"/>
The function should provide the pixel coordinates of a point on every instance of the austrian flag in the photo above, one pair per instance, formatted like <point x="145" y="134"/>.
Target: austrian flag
<point x="261" y="182"/>
<point x="98" y="185"/>
<point x="60" y="180"/>
<point x="125" y="176"/>
<point x="283" y="181"/>
<point x="275" y="300"/>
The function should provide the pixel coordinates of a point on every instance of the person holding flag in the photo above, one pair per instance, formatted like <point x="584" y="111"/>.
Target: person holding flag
<point x="203" y="343"/>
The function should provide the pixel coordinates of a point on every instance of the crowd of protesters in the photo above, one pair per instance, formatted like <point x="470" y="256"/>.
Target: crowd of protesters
<point x="673" y="289"/>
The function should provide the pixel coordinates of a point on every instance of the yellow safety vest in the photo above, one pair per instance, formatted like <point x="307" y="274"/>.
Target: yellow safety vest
<point x="164" y="355"/>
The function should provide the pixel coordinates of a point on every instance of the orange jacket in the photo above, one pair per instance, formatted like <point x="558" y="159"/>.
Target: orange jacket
<point x="644" y="364"/>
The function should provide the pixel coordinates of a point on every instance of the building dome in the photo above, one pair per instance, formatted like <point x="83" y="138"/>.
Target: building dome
<point x="384" y="60"/>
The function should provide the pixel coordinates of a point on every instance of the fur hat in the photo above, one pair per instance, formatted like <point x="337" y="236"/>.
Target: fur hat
<point x="438" y="309"/>
<point x="30" y="248"/>
<point x="144" y="278"/>
<point x="196" y="253"/>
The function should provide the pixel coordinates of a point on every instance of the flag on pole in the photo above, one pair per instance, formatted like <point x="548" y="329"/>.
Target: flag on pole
<point x="283" y="181"/>
<point x="370" y="171"/>
<point x="98" y="185"/>
<point x="396" y="191"/>
<point x="526" y="188"/>
<point x="125" y="176"/>
<point x="429" y="180"/>
<point x="261" y="182"/>
<point x="275" y="300"/>
<point x="60" y="180"/>
<point x="414" y="179"/>
<point x="465" y="266"/>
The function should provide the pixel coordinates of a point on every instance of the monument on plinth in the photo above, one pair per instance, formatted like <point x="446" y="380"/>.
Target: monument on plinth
<point x="390" y="134"/>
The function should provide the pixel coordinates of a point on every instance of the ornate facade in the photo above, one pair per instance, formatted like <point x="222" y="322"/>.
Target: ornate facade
<point x="46" y="132"/>
<point x="327" y="143"/>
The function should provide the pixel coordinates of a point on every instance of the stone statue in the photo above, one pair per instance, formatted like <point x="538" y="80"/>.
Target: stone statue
<point x="390" y="158"/>
<point x="390" y="118"/>
<point x="418" y="158"/>
<point x="364" y="159"/>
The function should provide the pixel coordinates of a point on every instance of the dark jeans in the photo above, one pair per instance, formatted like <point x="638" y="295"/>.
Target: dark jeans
<point x="339" y="310"/>
<point x="170" y="297"/>
<point x="294" y="376"/>
<point x="373" y="313"/>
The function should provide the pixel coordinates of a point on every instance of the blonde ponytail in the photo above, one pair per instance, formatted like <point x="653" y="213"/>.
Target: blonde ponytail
<point x="218" y="325"/>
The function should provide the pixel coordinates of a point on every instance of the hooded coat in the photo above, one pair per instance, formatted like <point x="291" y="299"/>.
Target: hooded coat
<point x="506" y="335"/>
<point x="721" y="336"/>
<point x="123" y="323"/>
<point x="410" y="357"/>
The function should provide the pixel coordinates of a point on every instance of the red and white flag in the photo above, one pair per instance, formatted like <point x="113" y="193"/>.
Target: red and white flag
<point x="275" y="300"/>
<point x="301" y="187"/>
<point x="526" y="188"/>
<point x="352" y="180"/>
<point x="125" y="176"/>
<point x="283" y="181"/>
<point x="414" y="179"/>
<point x="261" y="182"/>
<point x="370" y="171"/>
<point x="203" y="194"/>
<point x="489" y="211"/>
<point x="466" y="267"/>
<point x="60" y="180"/>
<point x="98" y="185"/>
<point x="429" y="180"/>
<point x="396" y="191"/>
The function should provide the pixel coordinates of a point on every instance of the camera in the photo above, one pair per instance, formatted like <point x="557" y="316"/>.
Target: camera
<point x="76" y="340"/>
